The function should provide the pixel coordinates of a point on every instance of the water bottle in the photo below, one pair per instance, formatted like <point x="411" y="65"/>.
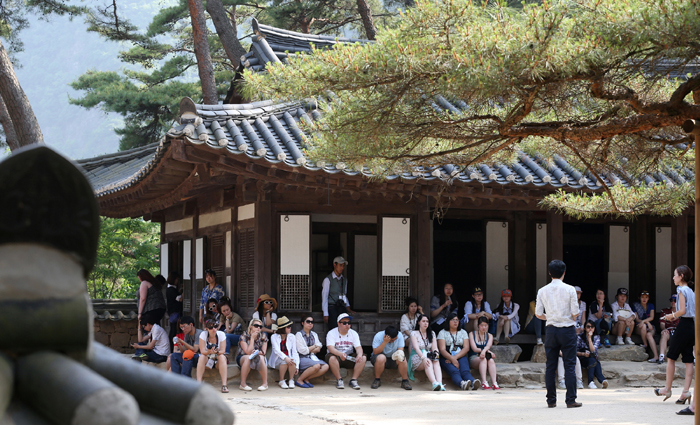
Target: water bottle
<point x="351" y="358"/>
<point x="254" y="354"/>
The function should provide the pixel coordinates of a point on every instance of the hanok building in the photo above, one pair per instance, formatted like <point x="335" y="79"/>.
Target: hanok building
<point x="234" y="191"/>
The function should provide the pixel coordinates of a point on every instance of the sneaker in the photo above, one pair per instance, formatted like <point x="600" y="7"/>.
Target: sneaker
<point x="579" y="384"/>
<point x="262" y="388"/>
<point x="562" y="385"/>
<point x="291" y="384"/>
<point x="606" y="342"/>
<point x="442" y="387"/>
<point x="507" y="340"/>
<point x="246" y="388"/>
<point x="376" y="384"/>
<point x="283" y="385"/>
<point x="661" y="358"/>
<point x="485" y="386"/>
<point x="354" y="385"/>
<point x="539" y="341"/>
<point x="465" y="385"/>
<point x="339" y="384"/>
<point x="604" y="384"/>
<point x="406" y="385"/>
<point x="620" y="341"/>
<point x="629" y="341"/>
<point x="476" y="384"/>
<point x="495" y="386"/>
<point x="592" y="386"/>
<point x="436" y="386"/>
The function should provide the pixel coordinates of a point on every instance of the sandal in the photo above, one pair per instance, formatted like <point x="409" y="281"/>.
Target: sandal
<point x="666" y="395"/>
<point x="224" y="388"/>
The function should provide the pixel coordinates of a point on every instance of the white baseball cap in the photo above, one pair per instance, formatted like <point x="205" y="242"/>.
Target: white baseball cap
<point x="340" y="260"/>
<point x="344" y="316"/>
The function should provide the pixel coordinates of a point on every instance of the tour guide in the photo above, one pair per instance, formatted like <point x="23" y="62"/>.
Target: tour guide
<point x="560" y="302"/>
<point x="335" y="294"/>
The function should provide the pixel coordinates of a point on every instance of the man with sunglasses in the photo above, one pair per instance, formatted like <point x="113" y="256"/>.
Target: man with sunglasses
<point x="180" y="363"/>
<point x="341" y="343"/>
<point x="334" y="293"/>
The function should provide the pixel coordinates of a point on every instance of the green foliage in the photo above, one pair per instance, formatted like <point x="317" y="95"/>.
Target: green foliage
<point x="126" y="246"/>
<point x="587" y="80"/>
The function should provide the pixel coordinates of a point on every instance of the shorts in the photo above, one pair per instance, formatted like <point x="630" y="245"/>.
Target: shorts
<point x="390" y="363"/>
<point x="347" y="364"/>
<point x="683" y="341"/>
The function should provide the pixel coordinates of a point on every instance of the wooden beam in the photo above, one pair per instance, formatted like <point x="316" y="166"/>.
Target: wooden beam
<point x="679" y="241"/>
<point x="555" y="236"/>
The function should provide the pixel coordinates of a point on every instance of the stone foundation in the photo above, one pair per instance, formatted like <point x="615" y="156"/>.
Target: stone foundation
<point x="116" y="334"/>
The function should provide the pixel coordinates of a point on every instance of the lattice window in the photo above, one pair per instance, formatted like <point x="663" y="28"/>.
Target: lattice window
<point x="295" y="294"/>
<point x="246" y="261"/>
<point x="394" y="292"/>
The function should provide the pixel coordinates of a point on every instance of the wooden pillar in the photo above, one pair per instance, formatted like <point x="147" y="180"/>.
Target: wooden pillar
<point x="424" y="244"/>
<point x="555" y="236"/>
<point x="642" y="275"/>
<point x="263" y="248"/>
<point x="679" y="241"/>
<point x="519" y="283"/>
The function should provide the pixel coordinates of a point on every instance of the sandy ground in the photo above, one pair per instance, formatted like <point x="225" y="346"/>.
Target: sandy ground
<point x="393" y="406"/>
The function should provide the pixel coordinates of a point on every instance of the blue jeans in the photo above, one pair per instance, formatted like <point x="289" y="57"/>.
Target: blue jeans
<point x="152" y="356"/>
<point x="534" y="327"/>
<point x="179" y="366"/>
<point x="231" y="339"/>
<point x="594" y="369"/>
<point x="458" y="375"/>
<point x="603" y="326"/>
<point x="564" y="340"/>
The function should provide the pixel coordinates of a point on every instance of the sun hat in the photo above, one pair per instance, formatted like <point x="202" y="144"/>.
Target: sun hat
<point x="283" y="322"/>
<point x="265" y="297"/>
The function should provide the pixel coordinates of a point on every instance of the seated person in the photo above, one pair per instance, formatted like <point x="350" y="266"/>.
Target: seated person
<point x="189" y="342"/>
<point x="153" y="346"/>
<point x="601" y="313"/>
<point x="644" y="316"/>
<point x="473" y="310"/>
<point x="211" y="312"/>
<point x="212" y="344"/>
<point x="308" y="346"/>
<point x="265" y="312"/>
<point x="533" y="324"/>
<point x="341" y="342"/>
<point x="668" y="326"/>
<point x="251" y="354"/>
<point x="587" y="352"/>
<point x="453" y="343"/>
<point x="424" y="353"/>
<point x="387" y="352"/>
<point x="506" y="317"/>
<point x="408" y="320"/>
<point x="480" y="356"/>
<point x="284" y="357"/>
<point x="231" y="324"/>
<point x="581" y="318"/>
<point x="560" y="373"/>
<point x="623" y="317"/>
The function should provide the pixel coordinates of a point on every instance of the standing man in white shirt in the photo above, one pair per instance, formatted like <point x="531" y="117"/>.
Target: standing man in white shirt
<point x="557" y="304"/>
<point x="334" y="294"/>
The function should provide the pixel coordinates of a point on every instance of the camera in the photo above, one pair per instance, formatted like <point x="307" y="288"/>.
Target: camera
<point x="433" y="355"/>
<point x="487" y="356"/>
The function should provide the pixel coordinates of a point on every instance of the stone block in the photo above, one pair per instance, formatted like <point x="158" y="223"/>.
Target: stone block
<point x="538" y="354"/>
<point x="102" y="338"/>
<point x="106" y="326"/>
<point x="623" y="353"/>
<point x="132" y="331"/>
<point x="507" y="353"/>
<point x="120" y="341"/>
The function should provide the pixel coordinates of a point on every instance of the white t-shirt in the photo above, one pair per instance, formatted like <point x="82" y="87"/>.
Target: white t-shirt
<point x="343" y="343"/>
<point x="220" y="336"/>
<point x="159" y="335"/>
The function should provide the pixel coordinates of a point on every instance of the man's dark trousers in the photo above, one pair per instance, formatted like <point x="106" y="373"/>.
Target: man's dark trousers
<point x="564" y="340"/>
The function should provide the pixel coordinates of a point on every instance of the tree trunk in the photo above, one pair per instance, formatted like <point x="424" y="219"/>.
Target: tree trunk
<point x="20" y="115"/>
<point x="201" y="51"/>
<point x="366" y="14"/>
<point x="226" y="31"/>
<point x="6" y="122"/>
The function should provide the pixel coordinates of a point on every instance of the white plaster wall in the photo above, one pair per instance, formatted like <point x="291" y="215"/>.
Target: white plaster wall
<point x="246" y="212"/>
<point x="199" y="258"/>
<point x="664" y="266"/>
<point x="619" y="261"/>
<point x="295" y="244"/>
<point x="396" y="246"/>
<point x="186" y="260"/>
<point x="365" y="272"/>
<point x="541" y="254"/>
<point x="164" y="259"/>
<point x="212" y="219"/>
<point x="228" y="249"/>
<point x="496" y="261"/>
<point x="178" y="225"/>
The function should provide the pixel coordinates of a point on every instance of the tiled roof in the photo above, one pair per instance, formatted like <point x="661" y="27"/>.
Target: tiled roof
<point x="115" y="309"/>
<point x="118" y="171"/>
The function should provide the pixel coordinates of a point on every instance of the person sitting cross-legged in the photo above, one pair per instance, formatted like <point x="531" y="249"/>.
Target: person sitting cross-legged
<point x="153" y="346"/>
<point x="182" y="363"/>
<point x="453" y="344"/>
<point x="341" y="342"/>
<point x="387" y="352"/>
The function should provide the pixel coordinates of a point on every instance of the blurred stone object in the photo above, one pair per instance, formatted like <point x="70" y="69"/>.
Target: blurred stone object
<point x="51" y="370"/>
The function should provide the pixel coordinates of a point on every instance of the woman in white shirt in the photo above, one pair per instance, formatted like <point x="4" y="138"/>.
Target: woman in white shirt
<point x="623" y="317"/>
<point x="408" y="320"/>
<point x="284" y="357"/>
<point x="212" y="346"/>
<point x="308" y="347"/>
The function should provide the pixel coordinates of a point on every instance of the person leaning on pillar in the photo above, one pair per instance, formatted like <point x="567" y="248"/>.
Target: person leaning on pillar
<point x="560" y="303"/>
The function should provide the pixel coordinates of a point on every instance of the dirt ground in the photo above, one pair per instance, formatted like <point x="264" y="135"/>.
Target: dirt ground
<point x="390" y="405"/>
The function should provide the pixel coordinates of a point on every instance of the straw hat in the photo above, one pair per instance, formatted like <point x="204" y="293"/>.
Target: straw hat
<point x="265" y="297"/>
<point x="283" y="322"/>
